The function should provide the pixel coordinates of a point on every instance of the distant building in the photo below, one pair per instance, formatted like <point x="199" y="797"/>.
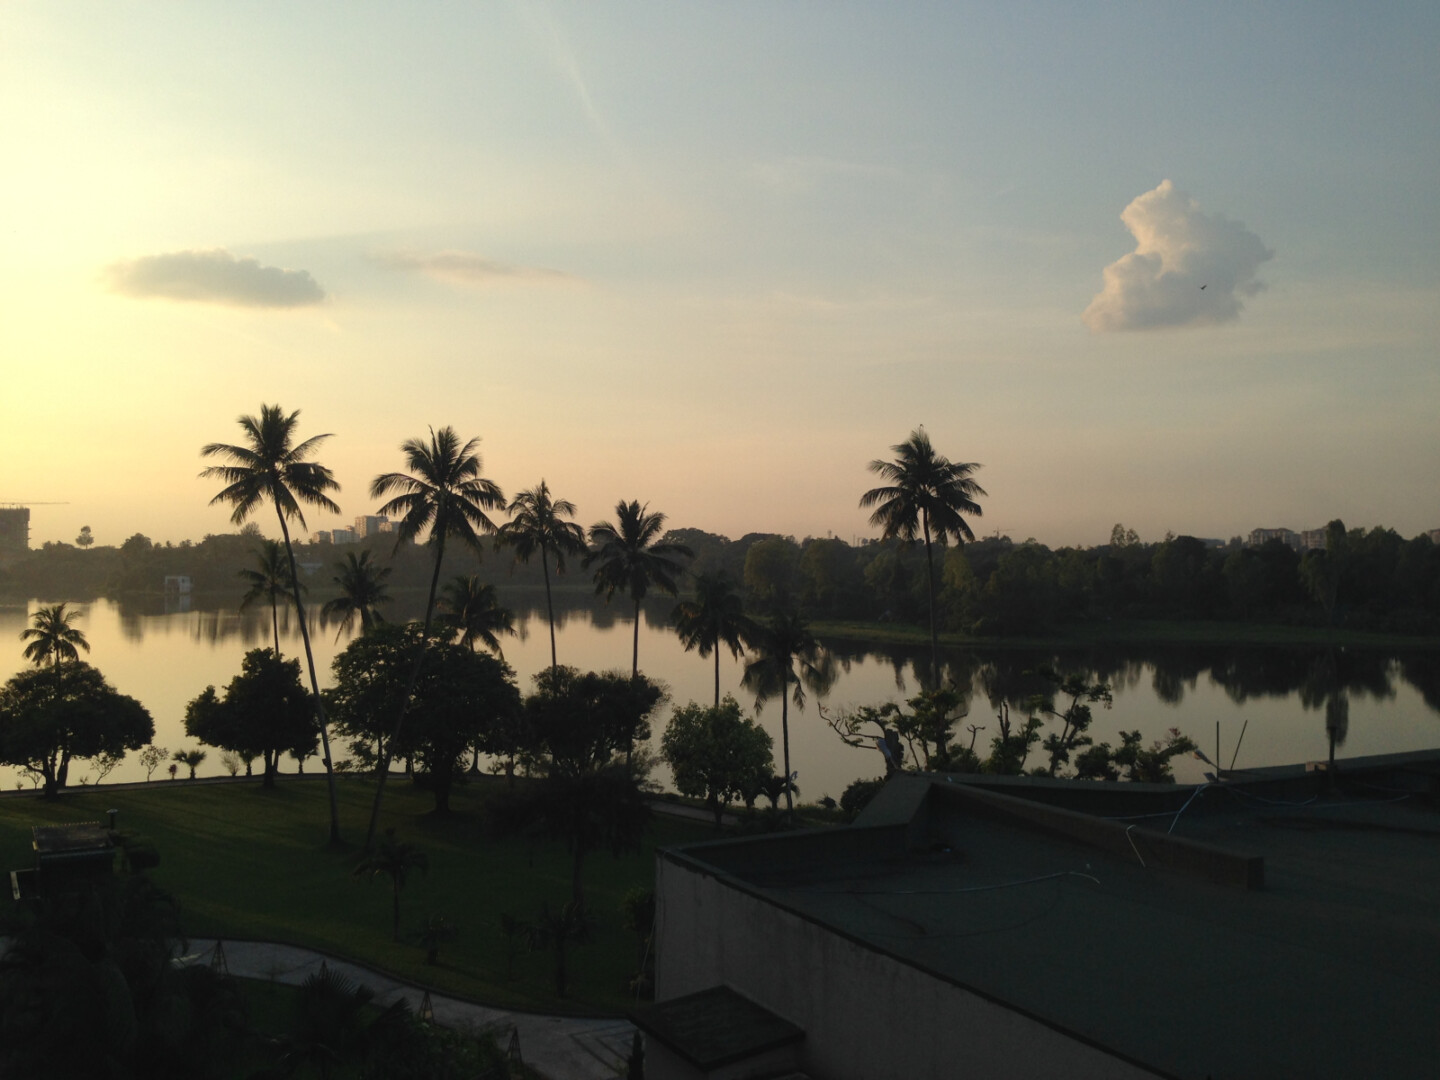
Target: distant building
<point x="1313" y="540"/>
<point x="343" y="536"/>
<point x="14" y="531"/>
<point x="322" y="536"/>
<point x="370" y="525"/>
<point x="1288" y="537"/>
<point x="177" y="584"/>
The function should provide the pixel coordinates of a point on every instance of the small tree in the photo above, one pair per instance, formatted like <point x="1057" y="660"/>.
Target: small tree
<point x="150" y="758"/>
<point x="1074" y="718"/>
<point x="717" y="753"/>
<point x="394" y="859"/>
<point x="265" y="712"/>
<point x="86" y="537"/>
<point x="192" y="758"/>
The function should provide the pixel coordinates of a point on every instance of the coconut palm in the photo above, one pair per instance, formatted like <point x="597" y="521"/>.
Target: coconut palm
<point x="471" y="607"/>
<point x="445" y="494"/>
<point x="715" y="616"/>
<point x="786" y="655"/>
<point x="269" y="580"/>
<point x="269" y="467"/>
<point x="537" y="524"/>
<point x="926" y="496"/>
<point x="629" y="556"/>
<point x="52" y="637"/>
<point x="362" y="591"/>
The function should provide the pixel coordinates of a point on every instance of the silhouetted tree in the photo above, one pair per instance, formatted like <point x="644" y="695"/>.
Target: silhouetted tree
<point x="269" y="579"/>
<point x="51" y="636"/>
<point x="715" y="616"/>
<point x="270" y="467"/>
<point x="630" y="556"/>
<point x="537" y="523"/>
<point x="362" y="591"/>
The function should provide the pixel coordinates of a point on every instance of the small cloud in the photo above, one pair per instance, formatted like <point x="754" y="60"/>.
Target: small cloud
<point x="212" y="277"/>
<point x="1187" y="269"/>
<point x="467" y="268"/>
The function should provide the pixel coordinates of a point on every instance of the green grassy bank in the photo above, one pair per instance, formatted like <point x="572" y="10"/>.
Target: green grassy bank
<point x="251" y="863"/>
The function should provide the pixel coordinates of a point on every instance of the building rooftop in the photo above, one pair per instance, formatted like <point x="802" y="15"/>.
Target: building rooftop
<point x="1283" y="927"/>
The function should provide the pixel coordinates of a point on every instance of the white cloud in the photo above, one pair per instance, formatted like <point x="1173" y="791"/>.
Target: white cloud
<point x="1187" y="269"/>
<point x="468" y="268"/>
<point x="213" y="277"/>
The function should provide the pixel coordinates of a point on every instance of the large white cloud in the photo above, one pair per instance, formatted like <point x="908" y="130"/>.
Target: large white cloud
<point x="468" y="268"/>
<point x="214" y="277"/>
<point x="1187" y="269"/>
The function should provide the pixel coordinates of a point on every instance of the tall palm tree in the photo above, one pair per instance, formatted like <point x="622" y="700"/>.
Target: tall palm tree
<point x="362" y="591"/>
<point x="714" y="617"/>
<point x="444" y="493"/>
<point x="926" y="495"/>
<point x="472" y="608"/>
<point x="537" y="523"/>
<point x="782" y="643"/>
<point x="631" y="557"/>
<point x="269" y="580"/>
<point x="270" y="467"/>
<point x="52" y="637"/>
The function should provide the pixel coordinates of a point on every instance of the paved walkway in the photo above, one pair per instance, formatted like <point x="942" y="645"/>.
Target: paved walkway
<point x="560" y="1047"/>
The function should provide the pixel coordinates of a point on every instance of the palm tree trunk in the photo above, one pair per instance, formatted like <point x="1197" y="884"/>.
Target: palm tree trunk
<point x="314" y="682"/>
<point x="409" y="690"/>
<point x="785" y="738"/>
<point x="549" y="604"/>
<point x="717" y="674"/>
<point x="930" y="579"/>
<point x="635" y="648"/>
<point x="275" y="623"/>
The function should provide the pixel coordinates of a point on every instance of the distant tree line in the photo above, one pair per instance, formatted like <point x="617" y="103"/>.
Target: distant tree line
<point x="1364" y="579"/>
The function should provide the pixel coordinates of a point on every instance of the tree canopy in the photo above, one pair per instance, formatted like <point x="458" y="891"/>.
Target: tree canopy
<point x="265" y="712"/>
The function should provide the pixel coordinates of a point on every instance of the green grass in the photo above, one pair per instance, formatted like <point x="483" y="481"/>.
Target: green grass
<point x="251" y="863"/>
<point x="1131" y="632"/>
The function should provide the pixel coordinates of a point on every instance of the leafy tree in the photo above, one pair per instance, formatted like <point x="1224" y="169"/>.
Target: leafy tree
<point x="1074" y="718"/>
<point x="460" y="696"/>
<point x="716" y="753"/>
<point x="1149" y="765"/>
<point x="782" y="643"/>
<point x="51" y="636"/>
<point x="631" y="556"/>
<point x="270" y="467"/>
<point x="151" y="758"/>
<point x="1011" y="744"/>
<point x="395" y="859"/>
<point x="86" y="537"/>
<point x="926" y="495"/>
<point x="269" y="580"/>
<point x="266" y="712"/>
<point x="771" y="572"/>
<point x="362" y="591"/>
<point x="581" y="722"/>
<point x="715" y="616"/>
<point x="445" y="494"/>
<point x="471" y="609"/>
<point x="537" y="523"/>
<point x="49" y="716"/>
<point x="926" y="731"/>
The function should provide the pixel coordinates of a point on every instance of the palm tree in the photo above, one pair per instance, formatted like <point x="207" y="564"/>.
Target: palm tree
<point x="52" y="637"/>
<point x="269" y="580"/>
<point x="362" y="591"/>
<point x="929" y="493"/>
<point x="444" y="493"/>
<point x="714" y="617"/>
<point x="632" y="557"/>
<point x="270" y="467"/>
<point x="471" y="607"/>
<point x="783" y="642"/>
<point x="537" y="524"/>
<point x="394" y="859"/>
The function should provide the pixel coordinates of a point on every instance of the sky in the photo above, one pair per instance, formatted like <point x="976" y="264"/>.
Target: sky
<point x="1174" y="266"/>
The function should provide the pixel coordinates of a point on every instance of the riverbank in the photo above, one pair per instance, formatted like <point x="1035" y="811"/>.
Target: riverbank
<point x="1133" y="632"/>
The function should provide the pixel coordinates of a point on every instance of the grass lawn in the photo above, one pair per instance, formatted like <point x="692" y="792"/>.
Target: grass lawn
<point x="251" y="863"/>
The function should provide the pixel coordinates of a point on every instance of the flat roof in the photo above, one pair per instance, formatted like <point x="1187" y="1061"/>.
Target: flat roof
<point x="715" y="1027"/>
<point x="1331" y="969"/>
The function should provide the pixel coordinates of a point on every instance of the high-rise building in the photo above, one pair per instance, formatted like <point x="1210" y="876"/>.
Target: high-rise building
<point x="370" y="525"/>
<point x="14" y="531"/>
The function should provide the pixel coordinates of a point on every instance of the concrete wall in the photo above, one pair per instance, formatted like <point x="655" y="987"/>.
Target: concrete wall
<point x="865" y="1015"/>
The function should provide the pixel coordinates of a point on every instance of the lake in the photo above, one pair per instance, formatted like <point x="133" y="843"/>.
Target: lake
<point x="165" y="659"/>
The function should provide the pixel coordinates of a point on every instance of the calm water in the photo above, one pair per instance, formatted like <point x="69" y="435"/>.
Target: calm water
<point x="165" y="659"/>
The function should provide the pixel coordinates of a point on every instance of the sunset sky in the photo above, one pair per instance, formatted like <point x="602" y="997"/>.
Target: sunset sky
<point x="1171" y="266"/>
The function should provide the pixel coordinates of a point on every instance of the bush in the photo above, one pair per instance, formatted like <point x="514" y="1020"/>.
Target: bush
<point x="858" y="795"/>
